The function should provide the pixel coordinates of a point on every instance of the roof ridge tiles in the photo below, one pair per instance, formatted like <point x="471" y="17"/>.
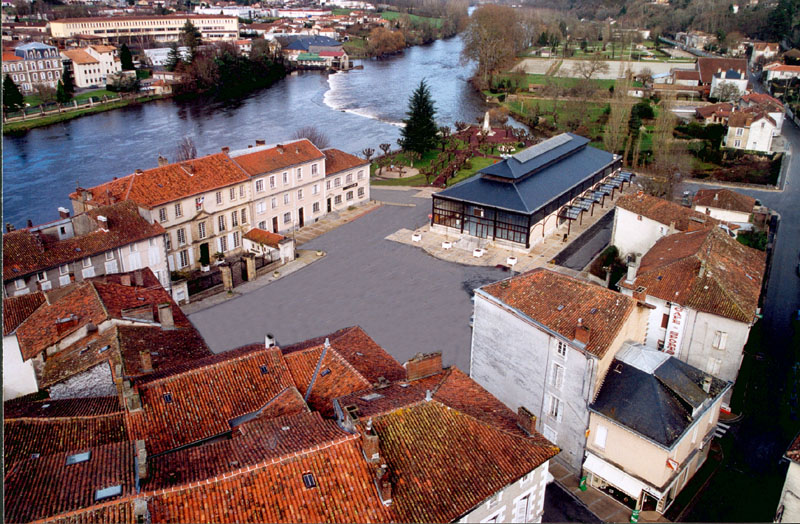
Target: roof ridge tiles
<point x="211" y="365"/>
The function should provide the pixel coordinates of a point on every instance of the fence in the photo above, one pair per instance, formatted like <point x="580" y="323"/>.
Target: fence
<point x="200" y="282"/>
<point x="52" y="108"/>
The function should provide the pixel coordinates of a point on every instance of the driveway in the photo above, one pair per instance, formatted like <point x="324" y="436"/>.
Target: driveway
<point x="405" y="299"/>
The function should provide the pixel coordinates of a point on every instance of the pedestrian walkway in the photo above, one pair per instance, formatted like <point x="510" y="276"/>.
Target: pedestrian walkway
<point x="540" y="255"/>
<point x="603" y="506"/>
<point x="333" y="220"/>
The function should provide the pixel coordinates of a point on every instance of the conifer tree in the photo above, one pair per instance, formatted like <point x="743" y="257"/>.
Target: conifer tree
<point x="126" y="58"/>
<point x="173" y="58"/>
<point x="419" y="134"/>
<point x="68" y="83"/>
<point x="12" y="98"/>
<point x="61" y="95"/>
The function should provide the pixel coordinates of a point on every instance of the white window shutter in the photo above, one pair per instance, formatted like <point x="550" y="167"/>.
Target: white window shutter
<point x="723" y="338"/>
<point x="560" y="410"/>
<point x="600" y="435"/>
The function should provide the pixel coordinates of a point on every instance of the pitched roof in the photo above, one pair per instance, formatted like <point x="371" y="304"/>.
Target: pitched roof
<point x="683" y="74"/>
<point x="708" y="66"/>
<point x="664" y="211"/>
<point x="46" y="486"/>
<point x="443" y="462"/>
<point x="160" y="185"/>
<point x="118" y="300"/>
<point x="337" y="161"/>
<point x="724" y="199"/>
<point x="268" y="238"/>
<point x="63" y="407"/>
<point x="557" y="301"/>
<point x="17" y="309"/>
<point x="748" y="117"/>
<point x="658" y="404"/>
<point x="274" y="491"/>
<point x="705" y="270"/>
<point x="266" y="159"/>
<point x="9" y="56"/>
<point x="762" y="99"/>
<point x="786" y="68"/>
<point x="201" y="403"/>
<point x="103" y="48"/>
<point x="527" y="183"/>
<point x="79" y="56"/>
<point x="723" y="109"/>
<point x="26" y="251"/>
<point x="793" y="453"/>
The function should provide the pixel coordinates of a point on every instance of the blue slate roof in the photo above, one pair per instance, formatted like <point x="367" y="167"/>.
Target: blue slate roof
<point x="533" y="183"/>
<point x="657" y="405"/>
<point x="303" y="43"/>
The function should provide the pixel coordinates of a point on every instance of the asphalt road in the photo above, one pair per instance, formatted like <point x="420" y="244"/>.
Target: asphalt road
<point x="405" y="299"/>
<point x="748" y="485"/>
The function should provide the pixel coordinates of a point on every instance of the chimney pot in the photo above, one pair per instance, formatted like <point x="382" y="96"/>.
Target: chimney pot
<point x="141" y="459"/>
<point x="261" y="142"/>
<point x="226" y="149"/>
<point x="63" y="212"/>
<point x="371" y="445"/>
<point x="269" y="340"/>
<point x="581" y="333"/>
<point x="162" y="161"/>
<point x="526" y="420"/>
<point x="165" y="316"/>
<point x="424" y="365"/>
<point x="707" y="384"/>
<point x="384" y="484"/>
<point x="125" y="280"/>
<point x="29" y="223"/>
<point x="138" y="171"/>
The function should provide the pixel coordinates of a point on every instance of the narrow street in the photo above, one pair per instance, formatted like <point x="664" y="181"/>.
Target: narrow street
<point x="748" y="485"/>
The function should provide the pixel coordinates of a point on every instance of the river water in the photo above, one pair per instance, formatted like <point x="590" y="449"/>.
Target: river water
<point x="355" y="109"/>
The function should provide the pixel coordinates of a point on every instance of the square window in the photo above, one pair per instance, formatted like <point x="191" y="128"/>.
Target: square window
<point x="19" y="283"/>
<point x="286" y="198"/>
<point x="178" y="210"/>
<point x="272" y="181"/>
<point x="41" y="276"/>
<point x="315" y="207"/>
<point x="262" y="225"/>
<point x="561" y="349"/>
<point x="162" y="214"/>
<point x="337" y="199"/>
<point x="201" y="230"/>
<point x="86" y="262"/>
<point x="314" y="170"/>
<point x="299" y="194"/>
<point x="287" y="218"/>
<point x="264" y="369"/>
<point x="168" y="398"/>
<point x="260" y="185"/>
<point x="233" y="193"/>
<point x="361" y="192"/>
<point x="219" y="197"/>
<point x="309" y="481"/>
<point x="349" y="195"/>
<point x="109" y="255"/>
<point x="63" y="270"/>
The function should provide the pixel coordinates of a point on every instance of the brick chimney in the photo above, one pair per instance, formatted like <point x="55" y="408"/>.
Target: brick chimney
<point x="640" y="293"/>
<point x="162" y="161"/>
<point x="279" y="147"/>
<point x="226" y="149"/>
<point x="260" y="142"/>
<point x="581" y="333"/>
<point x="424" y="365"/>
<point x="696" y="224"/>
<point x="370" y="444"/>
<point x="141" y="460"/>
<point x="138" y="171"/>
<point x="147" y="361"/>
<point x="138" y="278"/>
<point x="526" y="420"/>
<point x="707" y="384"/>
<point x="165" y="316"/>
<point x="63" y="212"/>
<point x="633" y="266"/>
<point x="384" y="484"/>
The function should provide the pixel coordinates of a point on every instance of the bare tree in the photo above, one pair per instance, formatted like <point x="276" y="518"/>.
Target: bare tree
<point x="367" y="152"/>
<point x="727" y="92"/>
<point x="617" y="125"/>
<point x="663" y="159"/>
<point x="185" y="150"/>
<point x="385" y="148"/>
<point x="591" y="66"/>
<point x="315" y="135"/>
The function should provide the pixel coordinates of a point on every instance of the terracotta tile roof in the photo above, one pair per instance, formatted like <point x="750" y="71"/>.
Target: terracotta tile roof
<point x="167" y="348"/>
<point x="786" y="68"/>
<point x="117" y="298"/>
<point x="793" y="453"/>
<point x="364" y="354"/>
<point x="64" y="407"/>
<point x="539" y="294"/>
<point x="139" y="17"/>
<point x="708" y="66"/>
<point x="253" y="443"/>
<point x="79" y="56"/>
<point x="762" y="99"/>
<point x="443" y="462"/>
<point x="17" y="309"/>
<point x="723" y="109"/>
<point x="81" y="356"/>
<point x="9" y="56"/>
<point x="115" y="512"/>
<point x="729" y="286"/>
<point x="26" y="252"/>
<point x="663" y="211"/>
<point x="47" y="436"/>
<point x="259" y="236"/>
<point x="103" y="48"/>
<point x="747" y="117"/>
<point x="164" y="184"/>
<point x="724" y="199"/>
<point x="275" y="492"/>
<point x="763" y="46"/>
<point x="41" y="329"/>
<point x="278" y="157"/>
<point x="337" y="161"/>
<point x="682" y="74"/>
<point x="47" y="486"/>
<point x="201" y="403"/>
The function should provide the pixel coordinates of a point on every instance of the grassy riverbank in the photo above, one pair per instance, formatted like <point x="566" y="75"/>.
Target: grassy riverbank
<point x="25" y="125"/>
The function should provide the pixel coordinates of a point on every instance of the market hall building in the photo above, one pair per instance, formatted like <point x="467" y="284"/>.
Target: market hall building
<point x="521" y="199"/>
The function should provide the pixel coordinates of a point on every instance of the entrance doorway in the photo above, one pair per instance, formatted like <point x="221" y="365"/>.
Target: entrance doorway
<point x="329" y="205"/>
<point x="274" y="224"/>
<point x="205" y="258"/>
<point x="300" y="221"/>
<point x="649" y="502"/>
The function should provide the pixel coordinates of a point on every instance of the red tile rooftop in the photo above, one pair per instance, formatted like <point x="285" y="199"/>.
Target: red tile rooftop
<point x="724" y="199"/>
<point x="277" y="158"/>
<point x="17" y="309"/>
<point x="664" y="211"/>
<point x="268" y="238"/>
<point x="337" y="161"/>
<point x="558" y="301"/>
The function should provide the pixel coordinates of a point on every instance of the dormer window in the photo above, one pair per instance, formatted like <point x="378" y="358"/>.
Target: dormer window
<point x="309" y="481"/>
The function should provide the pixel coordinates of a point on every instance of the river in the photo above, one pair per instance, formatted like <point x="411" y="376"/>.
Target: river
<point x="355" y="109"/>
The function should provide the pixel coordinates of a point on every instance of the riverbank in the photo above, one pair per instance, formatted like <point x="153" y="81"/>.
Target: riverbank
<point x="21" y="126"/>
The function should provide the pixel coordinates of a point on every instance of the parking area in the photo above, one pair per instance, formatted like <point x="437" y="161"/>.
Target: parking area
<point x="404" y="298"/>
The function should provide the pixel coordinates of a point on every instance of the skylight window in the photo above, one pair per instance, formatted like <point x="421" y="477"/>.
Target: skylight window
<point x="560" y="307"/>
<point x="34" y="455"/>
<point x="372" y="396"/>
<point x="168" y="398"/>
<point x="103" y="349"/>
<point x="108" y="492"/>
<point x="45" y="406"/>
<point x="326" y="371"/>
<point x="78" y="458"/>
<point x="264" y="370"/>
<point x="309" y="481"/>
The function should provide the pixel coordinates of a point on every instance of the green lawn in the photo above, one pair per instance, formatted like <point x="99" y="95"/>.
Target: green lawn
<point x="356" y="47"/>
<point x="394" y="15"/>
<point x="419" y="180"/>
<point x="97" y="93"/>
<point x="337" y="11"/>
<point x="562" y="81"/>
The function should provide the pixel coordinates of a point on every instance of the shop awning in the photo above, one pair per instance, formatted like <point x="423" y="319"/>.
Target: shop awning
<point x="617" y="477"/>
